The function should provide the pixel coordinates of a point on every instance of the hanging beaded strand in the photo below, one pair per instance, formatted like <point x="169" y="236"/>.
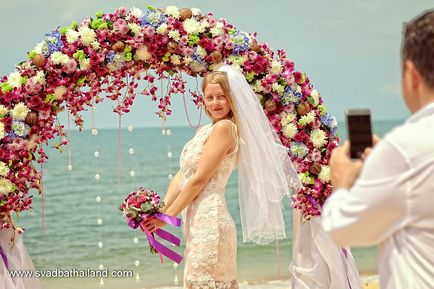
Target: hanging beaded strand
<point x="98" y="198"/>
<point x="68" y="137"/>
<point x="186" y="109"/>
<point x="132" y="175"/>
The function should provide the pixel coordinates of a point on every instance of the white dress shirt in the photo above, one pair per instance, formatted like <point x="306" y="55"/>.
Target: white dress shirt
<point x="392" y="204"/>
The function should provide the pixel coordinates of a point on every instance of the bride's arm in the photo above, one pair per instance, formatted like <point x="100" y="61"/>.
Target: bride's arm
<point x="172" y="190"/>
<point x="219" y="143"/>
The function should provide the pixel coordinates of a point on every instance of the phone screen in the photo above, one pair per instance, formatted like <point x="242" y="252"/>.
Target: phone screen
<point x="359" y="131"/>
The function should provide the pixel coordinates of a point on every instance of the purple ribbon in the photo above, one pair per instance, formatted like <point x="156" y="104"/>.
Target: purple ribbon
<point x="162" y="234"/>
<point x="5" y="259"/>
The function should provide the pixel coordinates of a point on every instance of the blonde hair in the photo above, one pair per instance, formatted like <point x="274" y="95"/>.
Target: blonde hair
<point x="221" y="78"/>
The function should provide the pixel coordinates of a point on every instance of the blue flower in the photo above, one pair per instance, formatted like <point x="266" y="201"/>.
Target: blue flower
<point x="195" y="56"/>
<point x="19" y="129"/>
<point x="110" y="56"/>
<point x="328" y="120"/>
<point x="291" y="96"/>
<point x="153" y="18"/>
<point x="241" y="42"/>
<point x="333" y="132"/>
<point x="54" y="41"/>
<point x="298" y="149"/>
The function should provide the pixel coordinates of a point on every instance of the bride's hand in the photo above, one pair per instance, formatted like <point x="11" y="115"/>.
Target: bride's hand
<point x="153" y="224"/>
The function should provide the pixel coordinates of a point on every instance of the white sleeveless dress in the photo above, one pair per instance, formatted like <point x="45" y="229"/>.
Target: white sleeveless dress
<point x="209" y="230"/>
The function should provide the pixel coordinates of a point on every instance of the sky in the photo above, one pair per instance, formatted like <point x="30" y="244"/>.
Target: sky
<point x="350" y="49"/>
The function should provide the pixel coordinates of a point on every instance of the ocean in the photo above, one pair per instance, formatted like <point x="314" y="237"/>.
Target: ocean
<point x="73" y="235"/>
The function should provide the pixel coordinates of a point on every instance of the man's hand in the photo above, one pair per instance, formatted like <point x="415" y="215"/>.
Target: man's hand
<point x="343" y="170"/>
<point x="375" y="140"/>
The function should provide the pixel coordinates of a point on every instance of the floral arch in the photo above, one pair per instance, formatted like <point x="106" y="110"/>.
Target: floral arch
<point x="111" y="53"/>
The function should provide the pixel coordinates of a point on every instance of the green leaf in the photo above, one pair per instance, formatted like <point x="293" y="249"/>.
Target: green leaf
<point x="50" y="98"/>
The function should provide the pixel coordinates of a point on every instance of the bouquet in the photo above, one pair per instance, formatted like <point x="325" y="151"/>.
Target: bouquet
<point x="143" y="204"/>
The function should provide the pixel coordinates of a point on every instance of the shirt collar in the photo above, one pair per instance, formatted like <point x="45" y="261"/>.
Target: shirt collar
<point x="425" y="111"/>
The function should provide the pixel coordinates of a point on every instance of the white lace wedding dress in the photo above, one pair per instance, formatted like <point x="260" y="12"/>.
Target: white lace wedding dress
<point x="209" y="230"/>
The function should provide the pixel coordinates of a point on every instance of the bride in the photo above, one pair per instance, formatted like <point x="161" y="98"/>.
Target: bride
<point x="239" y="135"/>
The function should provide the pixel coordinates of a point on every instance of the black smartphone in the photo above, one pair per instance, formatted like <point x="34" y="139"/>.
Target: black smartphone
<point x="359" y="131"/>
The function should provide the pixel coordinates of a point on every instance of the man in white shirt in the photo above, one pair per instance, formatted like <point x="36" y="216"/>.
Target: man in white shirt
<point x="387" y="198"/>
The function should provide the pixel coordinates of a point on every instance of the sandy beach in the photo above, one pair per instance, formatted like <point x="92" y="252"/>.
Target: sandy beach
<point x="369" y="282"/>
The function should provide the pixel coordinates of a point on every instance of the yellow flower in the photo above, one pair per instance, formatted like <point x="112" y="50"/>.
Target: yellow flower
<point x="3" y="111"/>
<point x="307" y="118"/>
<point x="5" y="186"/>
<point x="162" y="29"/>
<point x="2" y="130"/>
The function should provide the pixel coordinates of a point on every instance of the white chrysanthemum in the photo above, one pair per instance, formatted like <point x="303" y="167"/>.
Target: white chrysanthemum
<point x="39" y="77"/>
<point x="307" y="118"/>
<point x="162" y="29"/>
<point x="72" y="36"/>
<point x="201" y="52"/>
<point x="143" y="54"/>
<point x="87" y="35"/>
<point x="20" y="111"/>
<point x="318" y="138"/>
<point x="3" y="111"/>
<point x="4" y="169"/>
<point x="95" y="45"/>
<point x="324" y="175"/>
<point x="315" y="96"/>
<point x="59" y="58"/>
<point x="286" y="118"/>
<point x="175" y="59"/>
<point x="276" y="67"/>
<point x="196" y="11"/>
<point x="172" y="11"/>
<point x="203" y="26"/>
<point x="14" y="79"/>
<point x="2" y="130"/>
<point x="277" y="87"/>
<point x="289" y="130"/>
<point x="215" y="31"/>
<point x="135" y="28"/>
<point x="84" y="63"/>
<point x="41" y="47"/>
<point x="191" y="25"/>
<point x="174" y="34"/>
<point x="136" y="12"/>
